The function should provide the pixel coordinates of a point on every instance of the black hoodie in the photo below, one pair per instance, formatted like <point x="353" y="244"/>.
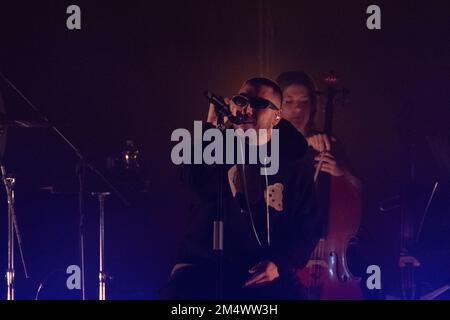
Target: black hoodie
<point x="294" y="222"/>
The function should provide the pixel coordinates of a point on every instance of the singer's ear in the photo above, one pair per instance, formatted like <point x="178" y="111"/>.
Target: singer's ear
<point x="277" y="117"/>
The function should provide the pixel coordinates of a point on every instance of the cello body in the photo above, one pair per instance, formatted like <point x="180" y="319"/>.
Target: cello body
<point x="327" y="275"/>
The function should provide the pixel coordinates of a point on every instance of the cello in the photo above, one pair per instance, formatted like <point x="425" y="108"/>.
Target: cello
<point x="326" y="275"/>
<point x="407" y="262"/>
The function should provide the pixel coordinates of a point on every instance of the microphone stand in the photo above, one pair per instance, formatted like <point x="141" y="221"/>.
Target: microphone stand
<point x="83" y="163"/>
<point x="9" y="182"/>
<point x="222" y="110"/>
<point x="218" y="233"/>
<point x="101" y="275"/>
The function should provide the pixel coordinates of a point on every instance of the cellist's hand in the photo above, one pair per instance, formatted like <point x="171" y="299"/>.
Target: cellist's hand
<point x="329" y="164"/>
<point x="320" y="142"/>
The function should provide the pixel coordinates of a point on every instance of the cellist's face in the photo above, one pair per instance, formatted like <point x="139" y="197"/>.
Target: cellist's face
<point x="296" y="106"/>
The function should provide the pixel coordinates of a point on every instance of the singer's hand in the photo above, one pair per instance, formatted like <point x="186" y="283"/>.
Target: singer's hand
<point x="212" y="117"/>
<point x="263" y="272"/>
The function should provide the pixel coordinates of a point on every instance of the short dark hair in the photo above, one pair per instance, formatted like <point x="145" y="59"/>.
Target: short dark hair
<point x="259" y="81"/>
<point x="289" y="78"/>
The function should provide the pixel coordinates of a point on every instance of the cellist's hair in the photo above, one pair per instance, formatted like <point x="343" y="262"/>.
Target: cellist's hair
<point x="289" y="78"/>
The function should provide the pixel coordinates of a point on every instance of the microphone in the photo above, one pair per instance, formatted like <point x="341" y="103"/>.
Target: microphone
<point x="222" y="108"/>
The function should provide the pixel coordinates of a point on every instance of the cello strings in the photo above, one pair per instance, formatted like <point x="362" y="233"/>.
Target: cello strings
<point x="319" y="166"/>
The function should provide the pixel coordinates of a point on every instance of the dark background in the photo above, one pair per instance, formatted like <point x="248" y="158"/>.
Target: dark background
<point x="137" y="69"/>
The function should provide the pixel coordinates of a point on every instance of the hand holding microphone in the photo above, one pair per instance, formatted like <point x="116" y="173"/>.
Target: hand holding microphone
<point x="218" y="105"/>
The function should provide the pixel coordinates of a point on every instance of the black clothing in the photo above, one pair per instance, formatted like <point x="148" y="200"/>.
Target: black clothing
<point x="294" y="223"/>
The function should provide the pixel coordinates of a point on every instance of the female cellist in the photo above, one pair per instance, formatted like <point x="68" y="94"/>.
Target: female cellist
<point x="326" y="276"/>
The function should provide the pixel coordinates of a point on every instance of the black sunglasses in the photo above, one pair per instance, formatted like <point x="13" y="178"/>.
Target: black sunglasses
<point x="243" y="100"/>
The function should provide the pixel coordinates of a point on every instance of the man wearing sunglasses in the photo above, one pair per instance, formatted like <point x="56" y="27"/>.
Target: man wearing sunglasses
<point x="258" y="106"/>
<point x="270" y="221"/>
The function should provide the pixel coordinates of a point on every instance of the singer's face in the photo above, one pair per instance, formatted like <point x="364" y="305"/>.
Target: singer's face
<point x="257" y="118"/>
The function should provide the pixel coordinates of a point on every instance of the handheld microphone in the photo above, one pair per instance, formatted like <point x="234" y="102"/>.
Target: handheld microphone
<point x="222" y="108"/>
